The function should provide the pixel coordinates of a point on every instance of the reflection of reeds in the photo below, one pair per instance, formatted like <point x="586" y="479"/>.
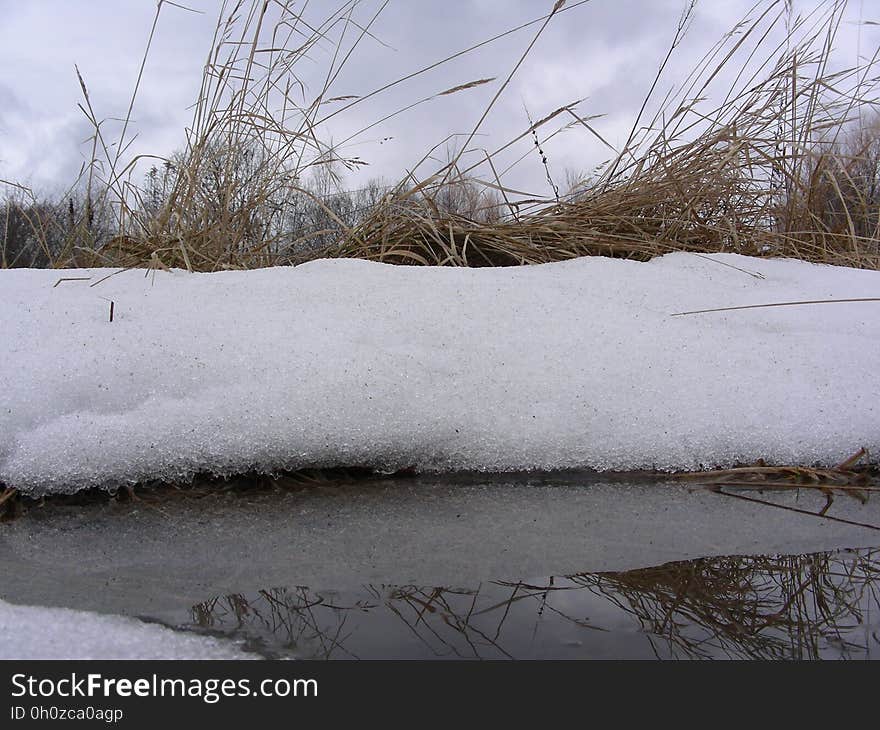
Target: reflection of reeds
<point x="297" y="620"/>
<point x="439" y="616"/>
<point x="789" y="607"/>
<point x="794" y="607"/>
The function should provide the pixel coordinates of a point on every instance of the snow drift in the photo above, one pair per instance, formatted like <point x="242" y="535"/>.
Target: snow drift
<point x="35" y="632"/>
<point x="345" y="362"/>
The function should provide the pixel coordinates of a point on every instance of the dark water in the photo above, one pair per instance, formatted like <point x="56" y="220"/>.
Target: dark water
<point x="526" y="567"/>
<point x="822" y="605"/>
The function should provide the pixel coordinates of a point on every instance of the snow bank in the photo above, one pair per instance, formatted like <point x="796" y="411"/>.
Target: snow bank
<point x="345" y="362"/>
<point x="31" y="632"/>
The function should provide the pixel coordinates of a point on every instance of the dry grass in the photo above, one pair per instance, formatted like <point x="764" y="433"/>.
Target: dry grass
<point x="771" y="168"/>
<point x="851" y="478"/>
<point x="762" y="173"/>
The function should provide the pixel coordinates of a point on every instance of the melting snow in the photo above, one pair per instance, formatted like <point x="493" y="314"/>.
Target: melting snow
<point x="31" y="632"/>
<point x="344" y="362"/>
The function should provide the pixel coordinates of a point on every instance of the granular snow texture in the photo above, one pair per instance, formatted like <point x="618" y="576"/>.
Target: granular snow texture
<point x="344" y="362"/>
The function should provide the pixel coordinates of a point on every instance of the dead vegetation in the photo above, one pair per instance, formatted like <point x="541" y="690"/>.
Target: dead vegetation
<point x="780" y="161"/>
<point x="851" y="477"/>
<point x="855" y="477"/>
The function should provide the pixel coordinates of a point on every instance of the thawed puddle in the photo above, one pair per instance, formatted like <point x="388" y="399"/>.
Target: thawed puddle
<point x="506" y="567"/>
<point x="825" y="605"/>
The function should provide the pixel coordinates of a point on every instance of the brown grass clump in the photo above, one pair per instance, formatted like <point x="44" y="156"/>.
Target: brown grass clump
<point x="851" y="478"/>
<point x="848" y="475"/>
<point x="769" y="171"/>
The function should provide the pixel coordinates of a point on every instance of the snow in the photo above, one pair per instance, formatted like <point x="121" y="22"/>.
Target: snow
<point x="31" y="632"/>
<point x="343" y="362"/>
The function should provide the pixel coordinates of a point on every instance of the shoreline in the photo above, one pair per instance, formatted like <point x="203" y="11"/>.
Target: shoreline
<point x="854" y="477"/>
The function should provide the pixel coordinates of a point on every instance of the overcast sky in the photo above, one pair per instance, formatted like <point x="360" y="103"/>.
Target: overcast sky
<point x="606" y="51"/>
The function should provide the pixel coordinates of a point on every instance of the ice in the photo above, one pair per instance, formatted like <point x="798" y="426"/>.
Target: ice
<point x="32" y="632"/>
<point x="344" y="362"/>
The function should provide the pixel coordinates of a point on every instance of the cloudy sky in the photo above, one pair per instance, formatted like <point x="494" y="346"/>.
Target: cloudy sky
<point x="604" y="51"/>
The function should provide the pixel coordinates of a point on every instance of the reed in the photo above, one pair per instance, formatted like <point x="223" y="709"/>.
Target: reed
<point x="765" y="149"/>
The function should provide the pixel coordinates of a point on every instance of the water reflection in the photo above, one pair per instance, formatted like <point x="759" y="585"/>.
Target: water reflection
<point x="824" y="605"/>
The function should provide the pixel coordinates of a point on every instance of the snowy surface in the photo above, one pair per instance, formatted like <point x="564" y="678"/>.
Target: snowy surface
<point x="345" y="362"/>
<point x="31" y="632"/>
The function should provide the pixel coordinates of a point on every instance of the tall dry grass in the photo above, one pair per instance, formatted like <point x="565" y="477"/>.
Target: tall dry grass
<point x="767" y="171"/>
<point x="754" y="152"/>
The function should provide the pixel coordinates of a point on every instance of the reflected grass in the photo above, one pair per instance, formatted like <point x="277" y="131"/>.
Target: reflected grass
<point x="788" y="607"/>
<point x="813" y="606"/>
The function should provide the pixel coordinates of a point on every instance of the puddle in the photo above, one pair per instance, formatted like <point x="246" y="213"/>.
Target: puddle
<point x="824" y="605"/>
<point x="527" y="566"/>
